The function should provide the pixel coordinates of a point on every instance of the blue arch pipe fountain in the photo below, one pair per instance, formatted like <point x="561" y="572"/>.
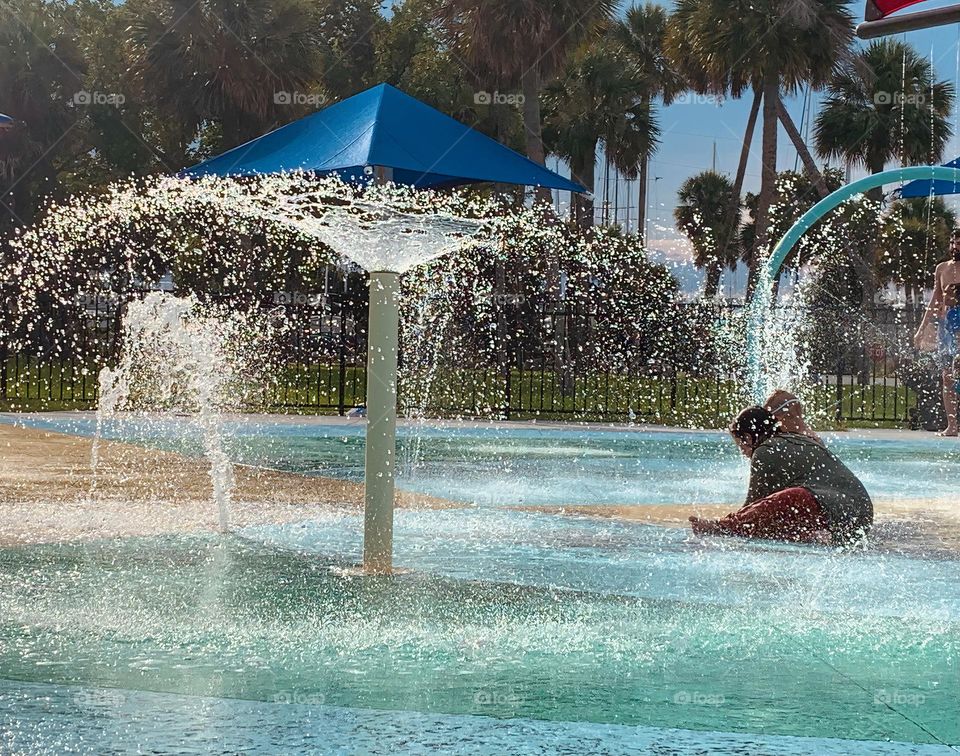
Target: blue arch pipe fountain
<point x="761" y="298"/>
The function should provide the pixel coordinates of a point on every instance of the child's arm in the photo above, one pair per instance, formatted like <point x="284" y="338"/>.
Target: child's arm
<point x="925" y="338"/>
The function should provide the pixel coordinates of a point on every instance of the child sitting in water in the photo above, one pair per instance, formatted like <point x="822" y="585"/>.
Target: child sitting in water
<point x="798" y="490"/>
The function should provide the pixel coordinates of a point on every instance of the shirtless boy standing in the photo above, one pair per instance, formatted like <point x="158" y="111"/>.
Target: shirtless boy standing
<point x="940" y="328"/>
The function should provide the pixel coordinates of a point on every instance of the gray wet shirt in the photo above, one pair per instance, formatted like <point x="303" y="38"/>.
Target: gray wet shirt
<point x="789" y="459"/>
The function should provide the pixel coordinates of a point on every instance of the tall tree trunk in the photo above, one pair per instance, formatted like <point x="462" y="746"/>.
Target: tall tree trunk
<point x="768" y="174"/>
<point x="734" y="222"/>
<point x="231" y="129"/>
<point x="532" y="126"/>
<point x="642" y="200"/>
<point x="584" y="170"/>
<point x="813" y="173"/>
<point x="605" y="212"/>
<point x="712" y="284"/>
<point x="875" y="165"/>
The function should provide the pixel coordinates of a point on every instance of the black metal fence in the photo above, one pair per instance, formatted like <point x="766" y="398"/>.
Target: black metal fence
<point x="860" y="367"/>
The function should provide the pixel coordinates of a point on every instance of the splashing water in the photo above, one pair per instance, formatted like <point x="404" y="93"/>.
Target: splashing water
<point x="173" y="356"/>
<point x="384" y="227"/>
<point x="176" y="359"/>
<point x="181" y="355"/>
<point x="112" y="393"/>
<point x="237" y="240"/>
<point x="382" y="238"/>
<point x="776" y="343"/>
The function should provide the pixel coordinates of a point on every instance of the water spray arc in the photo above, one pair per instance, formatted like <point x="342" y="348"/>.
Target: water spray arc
<point x="761" y="301"/>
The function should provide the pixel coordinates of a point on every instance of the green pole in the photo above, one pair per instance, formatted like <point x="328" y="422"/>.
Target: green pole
<point x="381" y="444"/>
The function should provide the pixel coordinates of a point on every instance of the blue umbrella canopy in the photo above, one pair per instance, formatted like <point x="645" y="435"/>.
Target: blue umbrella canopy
<point x="927" y="187"/>
<point x="6" y="122"/>
<point x="384" y="127"/>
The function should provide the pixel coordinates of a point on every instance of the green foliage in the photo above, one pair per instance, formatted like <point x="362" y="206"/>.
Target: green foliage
<point x="642" y="35"/>
<point x="500" y="40"/>
<point x="916" y="237"/>
<point x="883" y="105"/>
<point x="225" y="61"/>
<point x="595" y="101"/>
<point x="41" y="68"/>
<point x="703" y="214"/>
<point x="726" y="47"/>
<point x="347" y="34"/>
<point x="413" y="54"/>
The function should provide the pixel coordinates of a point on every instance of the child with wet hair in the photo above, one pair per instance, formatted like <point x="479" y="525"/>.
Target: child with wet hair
<point x="787" y="409"/>
<point x="798" y="490"/>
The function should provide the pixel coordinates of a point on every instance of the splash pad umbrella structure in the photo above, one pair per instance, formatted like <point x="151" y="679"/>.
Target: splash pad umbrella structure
<point x="383" y="135"/>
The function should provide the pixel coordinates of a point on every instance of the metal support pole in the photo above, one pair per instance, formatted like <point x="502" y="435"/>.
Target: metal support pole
<point x="381" y="445"/>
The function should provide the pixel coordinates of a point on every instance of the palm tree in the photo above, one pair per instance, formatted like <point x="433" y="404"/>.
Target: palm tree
<point x="349" y="35"/>
<point x="225" y="62"/>
<point x="595" y="102"/>
<point x="770" y="46"/>
<point x="509" y="43"/>
<point x="882" y="106"/>
<point x="701" y="213"/>
<point x="41" y="70"/>
<point x="641" y="33"/>
<point x="916" y="235"/>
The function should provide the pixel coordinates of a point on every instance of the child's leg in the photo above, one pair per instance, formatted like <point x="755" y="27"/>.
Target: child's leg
<point x="950" y="400"/>
<point x="789" y="515"/>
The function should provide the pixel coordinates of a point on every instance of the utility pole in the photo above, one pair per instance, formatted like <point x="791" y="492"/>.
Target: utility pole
<point x="646" y="218"/>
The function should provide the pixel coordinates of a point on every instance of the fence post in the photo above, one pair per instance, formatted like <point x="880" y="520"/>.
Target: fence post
<point x="4" y="356"/>
<point x="508" y="389"/>
<point x="503" y="350"/>
<point x="673" y="388"/>
<point x="840" y="371"/>
<point x="342" y="383"/>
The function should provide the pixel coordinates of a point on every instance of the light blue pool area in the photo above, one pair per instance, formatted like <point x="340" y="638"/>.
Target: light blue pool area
<point x="509" y="631"/>
<point x="520" y="464"/>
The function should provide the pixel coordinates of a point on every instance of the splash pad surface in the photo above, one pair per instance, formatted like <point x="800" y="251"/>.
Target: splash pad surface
<point x="510" y="630"/>
<point x="524" y="463"/>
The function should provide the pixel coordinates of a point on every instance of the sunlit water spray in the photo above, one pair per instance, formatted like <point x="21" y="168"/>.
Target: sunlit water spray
<point x="176" y="359"/>
<point x="176" y="356"/>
